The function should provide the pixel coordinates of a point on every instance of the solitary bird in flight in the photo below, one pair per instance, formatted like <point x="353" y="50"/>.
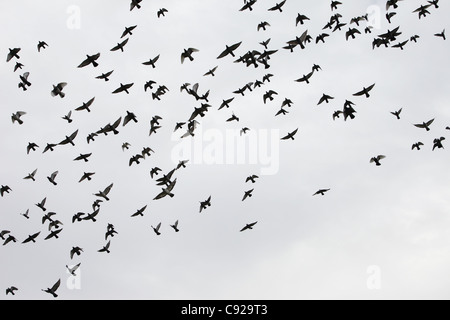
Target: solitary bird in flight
<point x="229" y="50"/>
<point x="205" y="204"/>
<point x="321" y="192"/>
<point x="425" y="125"/>
<point x="57" y="90"/>
<point x="377" y="159"/>
<point x="249" y="226"/>
<point x="290" y="135"/>
<point x="187" y="53"/>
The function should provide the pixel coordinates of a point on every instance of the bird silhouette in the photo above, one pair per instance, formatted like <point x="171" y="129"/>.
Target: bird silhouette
<point x="87" y="176"/>
<point x="417" y="145"/>
<point x="105" y="76"/>
<point x="377" y="160"/>
<point x="425" y="125"/>
<point x="441" y="35"/>
<point x="41" y="205"/>
<point x="397" y="113"/>
<point x="175" y="226"/>
<point x="11" y="290"/>
<point x="120" y="46"/>
<point x="106" y="248"/>
<point x="139" y="212"/>
<point x="128" y="31"/>
<point x="437" y="143"/>
<point x="365" y="91"/>
<point x="104" y="194"/>
<point x="152" y="62"/>
<point x="69" y="139"/>
<point x="249" y="226"/>
<point x="57" y="90"/>
<point x="52" y="178"/>
<point x="31" y="176"/>
<point x="187" y="53"/>
<point x="161" y="12"/>
<point x="73" y="269"/>
<point x="4" y="189"/>
<point x="90" y="60"/>
<point x="167" y="191"/>
<point x="321" y="192"/>
<point x="278" y="6"/>
<point x="16" y="117"/>
<point x="229" y="50"/>
<point x="205" y="204"/>
<point x="53" y="289"/>
<point x="31" y="238"/>
<point x="123" y="88"/>
<point x="248" y="194"/>
<point x="156" y="230"/>
<point x="75" y="251"/>
<point x="290" y="135"/>
<point x="86" y="105"/>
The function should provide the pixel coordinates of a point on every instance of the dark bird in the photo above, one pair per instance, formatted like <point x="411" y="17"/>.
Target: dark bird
<point x="233" y="118"/>
<point x="334" y="5"/>
<point x="248" y="194"/>
<point x="211" y="72"/>
<point x="377" y="159"/>
<point x="41" y="205"/>
<point x="321" y="192"/>
<point x="92" y="216"/>
<point x="4" y="189"/>
<point x="123" y="87"/>
<point x="86" y="176"/>
<point x="389" y="16"/>
<point x="281" y="111"/>
<point x="68" y="117"/>
<point x="84" y="157"/>
<point x="417" y="145"/>
<point x="437" y="143"/>
<point x="3" y="233"/>
<point x="139" y="212"/>
<point x="128" y="31"/>
<point x="229" y="50"/>
<point x="434" y="3"/>
<point x="425" y="125"/>
<point x="69" y="139"/>
<point x="75" y="251"/>
<point x="290" y="135"/>
<point x="422" y="10"/>
<point x="16" y="117"/>
<point x="78" y="217"/>
<point x="161" y="12"/>
<point x="325" y="98"/>
<point x="73" y="269"/>
<point x="244" y="130"/>
<point x="18" y="66"/>
<point x="53" y="289"/>
<point x="205" y="204"/>
<point x="167" y="191"/>
<point x="251" y="178"/>
<point x="41" y="45"/>
<point x="278" y="6"/>
<point x="11" y="290"/>
<point x="13" y="53"/>
<point x="31" y="238"/>
<point x="414" y="38"/>
<point x="53" y="234"/>
<point x="26" y="214"/>
<point x="187" y="53"/>
<point x="48" y="217"/>
<point x="248" y="5"/>
<point x="154" y="172"/>
<point x="300" y="19"/>
<point x="156" y="230"/>
<point x="263" y="25"/>
<point x="135" y="159"/>
<point x="86" y="105"/>
<point x="249" y="226"/>
<point x="397" y="113"/>
<point x="400" y="44"/>
<point x="441" y="35"/>
<point x="31" y="146"/>
<point x="269" y="95"/>
<point x="57" y="90"/>
<point x="351" y="33"/>
<point x="24" y="81"/>
<point x="321" y="37"/>
<point x="305" y="78"/>
<point x="226" y="103"/>
<point x="120" y="45"/>
<point x="90" y="60"/>
<point x="175" y="226"/>
<point x="135" y="4"/>
<point x="129" y="117"/>
<point x="392" y="3"/>
<point x="182" y="164"/>
<point x="104" y="193"/>
<point x="31" y="176"/>
<point x="152" y="62"/>
<point x="106" y="248"/>
<point x="146" y="152"/>
<point x="149" y="85"/>
<point x="365" y="91"/>
<point x="265" y="43"/>
<point x="9" y="239"/>
<point x="52" y="178"/>
<point x="336" y="114"/>
<point x="105" y="76"/>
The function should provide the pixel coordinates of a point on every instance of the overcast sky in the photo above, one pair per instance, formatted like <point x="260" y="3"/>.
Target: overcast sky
<point x="379" y="233"/>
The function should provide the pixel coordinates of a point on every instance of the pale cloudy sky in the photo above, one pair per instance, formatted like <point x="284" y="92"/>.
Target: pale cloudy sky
<point x="386" y="225"/>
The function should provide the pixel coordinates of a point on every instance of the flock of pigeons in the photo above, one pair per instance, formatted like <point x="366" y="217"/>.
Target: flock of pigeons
<point x="167" y="181"/>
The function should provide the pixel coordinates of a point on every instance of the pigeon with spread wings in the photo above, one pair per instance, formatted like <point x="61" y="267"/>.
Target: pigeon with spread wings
<point x="90" y="60"/>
